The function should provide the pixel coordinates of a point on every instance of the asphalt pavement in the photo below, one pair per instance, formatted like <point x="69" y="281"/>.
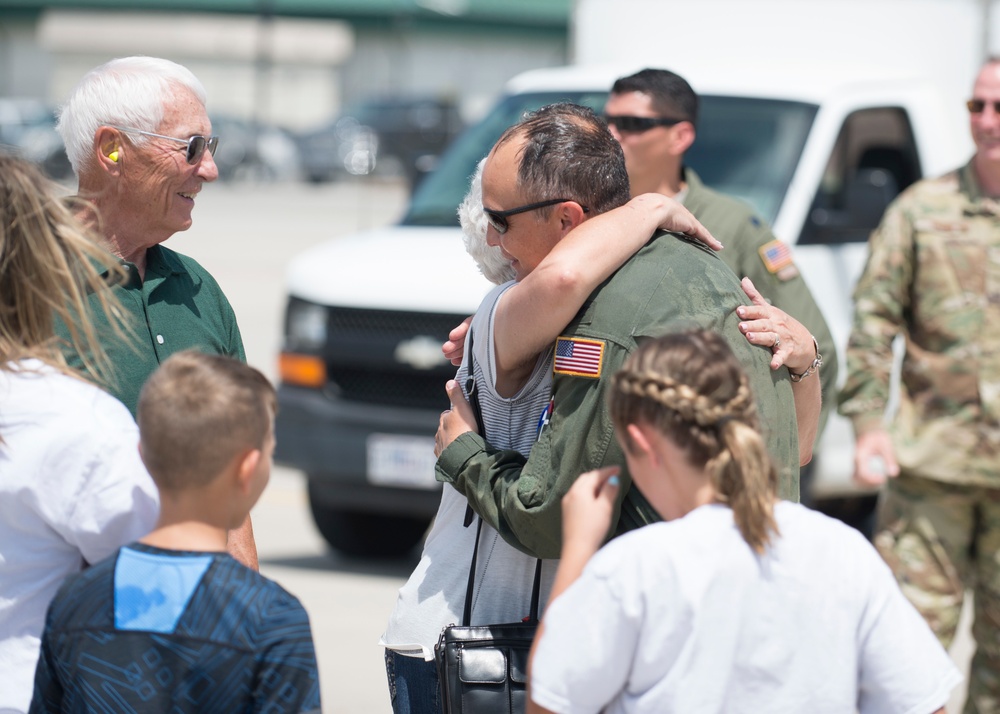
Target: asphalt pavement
<point x="245" y="234"/>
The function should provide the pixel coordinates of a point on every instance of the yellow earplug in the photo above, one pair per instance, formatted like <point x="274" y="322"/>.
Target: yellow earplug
<point x="113" y="156"/>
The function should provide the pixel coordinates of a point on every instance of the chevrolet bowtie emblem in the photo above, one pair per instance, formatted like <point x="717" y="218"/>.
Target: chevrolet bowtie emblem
<point x="421" y="352"/>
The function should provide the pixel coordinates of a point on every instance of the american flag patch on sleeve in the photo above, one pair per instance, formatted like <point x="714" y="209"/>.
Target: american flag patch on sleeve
<point x="578" y="357"/>
<point x="776" y="255"/>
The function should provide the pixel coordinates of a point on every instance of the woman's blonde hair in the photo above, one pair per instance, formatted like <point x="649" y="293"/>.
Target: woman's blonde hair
<point x="50" y="265"/>
<point x="691" y="387"/>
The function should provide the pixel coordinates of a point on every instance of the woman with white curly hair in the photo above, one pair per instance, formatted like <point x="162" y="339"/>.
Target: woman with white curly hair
<point x="513" y="408"/>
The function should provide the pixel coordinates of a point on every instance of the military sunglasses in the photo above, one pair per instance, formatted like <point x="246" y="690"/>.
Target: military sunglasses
<point x="637" y="125"/>
<point x="498" y="219"/>
<point x="196" y="145"/>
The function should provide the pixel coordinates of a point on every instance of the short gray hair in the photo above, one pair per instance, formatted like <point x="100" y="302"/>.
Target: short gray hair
<point x="128" y="91"/>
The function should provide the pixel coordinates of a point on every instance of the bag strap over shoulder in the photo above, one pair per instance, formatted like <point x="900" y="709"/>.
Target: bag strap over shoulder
<point x="471" y="390"/>
<point x="473" y="393"/>
<point x="470" y="589"/>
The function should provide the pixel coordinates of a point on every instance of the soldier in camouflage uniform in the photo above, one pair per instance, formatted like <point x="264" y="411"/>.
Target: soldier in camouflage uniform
<point x="933" y="275"/>
<point x="654" y="156"/>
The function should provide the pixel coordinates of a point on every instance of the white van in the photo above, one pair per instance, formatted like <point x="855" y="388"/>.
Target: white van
<point x="819" y="156"/>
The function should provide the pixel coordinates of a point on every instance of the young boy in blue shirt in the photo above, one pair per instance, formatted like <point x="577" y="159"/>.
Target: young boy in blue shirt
<point x="172" y="622"/>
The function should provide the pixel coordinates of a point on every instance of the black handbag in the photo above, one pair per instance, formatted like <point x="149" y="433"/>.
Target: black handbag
<point x="483" y="669"/>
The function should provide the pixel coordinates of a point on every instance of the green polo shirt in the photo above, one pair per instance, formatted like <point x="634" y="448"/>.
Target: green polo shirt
<point x="177" y="306"/>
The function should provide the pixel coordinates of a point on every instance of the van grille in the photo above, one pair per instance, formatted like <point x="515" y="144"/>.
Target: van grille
<point x="383" y="324"/>
<point x="361" y="363"/>
<point x="412" y="389"/>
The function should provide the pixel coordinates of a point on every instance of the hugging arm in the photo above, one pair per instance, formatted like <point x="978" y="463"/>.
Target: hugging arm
<point x="531" y="314"/>
<point x="792" y="346"/>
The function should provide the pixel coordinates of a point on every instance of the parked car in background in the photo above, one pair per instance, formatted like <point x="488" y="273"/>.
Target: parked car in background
<point x="18" y="114"/>
<point x="399" y="136"/>
<point x="28" y="128"/>
<point x="42" y="144"/>
<point x="249" y="150"/>
<point x="246" y="151"/>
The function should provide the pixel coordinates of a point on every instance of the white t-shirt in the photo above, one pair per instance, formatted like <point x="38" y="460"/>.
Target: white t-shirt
<point x="434" y="595"/>
<point x="72" y="490"/>
<point x="685" y="617"/>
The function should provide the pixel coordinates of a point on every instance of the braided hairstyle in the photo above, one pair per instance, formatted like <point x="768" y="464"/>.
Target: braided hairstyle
<point x="690" y="386"/>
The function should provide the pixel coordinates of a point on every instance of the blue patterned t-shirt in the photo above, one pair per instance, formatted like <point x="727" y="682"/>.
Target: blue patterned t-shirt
<point x="150" y="629"/>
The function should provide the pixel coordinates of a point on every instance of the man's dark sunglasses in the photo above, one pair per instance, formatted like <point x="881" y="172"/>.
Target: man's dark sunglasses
<point x="196" y="145"/>
<point x="976" y="106"/>
<point x="498" y="219"/>
<point x="637" y="125"/>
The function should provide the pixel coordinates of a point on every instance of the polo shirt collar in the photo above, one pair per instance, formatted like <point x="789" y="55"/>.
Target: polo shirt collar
<point x="163" y="262"/>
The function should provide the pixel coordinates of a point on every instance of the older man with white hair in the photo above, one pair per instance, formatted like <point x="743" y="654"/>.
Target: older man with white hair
<point x="140" y="142"/>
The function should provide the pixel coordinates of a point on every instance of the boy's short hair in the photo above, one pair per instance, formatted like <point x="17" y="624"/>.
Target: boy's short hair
<point x="197" y="412"/>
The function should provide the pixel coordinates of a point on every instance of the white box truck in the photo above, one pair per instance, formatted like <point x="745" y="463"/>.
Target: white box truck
<point x="817" y="112"/>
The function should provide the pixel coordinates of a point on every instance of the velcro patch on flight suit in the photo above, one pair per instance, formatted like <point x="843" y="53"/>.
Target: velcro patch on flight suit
<point x="578" y="357"/>
<point x="778" y="260"/>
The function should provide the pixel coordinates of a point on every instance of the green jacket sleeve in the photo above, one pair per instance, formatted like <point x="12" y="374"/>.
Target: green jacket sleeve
<point x="522" y="499"/>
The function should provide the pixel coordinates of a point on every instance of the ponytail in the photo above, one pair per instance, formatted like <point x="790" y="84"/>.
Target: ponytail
<point x="744" y="477"/>
<point x="691" y="387"/>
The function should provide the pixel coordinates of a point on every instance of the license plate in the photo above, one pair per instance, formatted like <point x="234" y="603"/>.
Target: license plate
<point x="406" y="461"/>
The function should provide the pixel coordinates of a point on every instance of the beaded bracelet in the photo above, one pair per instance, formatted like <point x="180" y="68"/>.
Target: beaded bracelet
<point x="816" y="364"/>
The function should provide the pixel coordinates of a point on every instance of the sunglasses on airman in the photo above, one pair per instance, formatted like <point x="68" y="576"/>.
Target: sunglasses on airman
<point x="196" y="145"/>
<point x="637" y="125"/>
<point x="498" y="219"/>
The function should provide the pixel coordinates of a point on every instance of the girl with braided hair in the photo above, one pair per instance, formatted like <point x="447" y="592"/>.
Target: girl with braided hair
<point x="738" y="602"/>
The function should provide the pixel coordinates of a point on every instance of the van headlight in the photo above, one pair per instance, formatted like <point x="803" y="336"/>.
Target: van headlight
<point x="306" y="325"/>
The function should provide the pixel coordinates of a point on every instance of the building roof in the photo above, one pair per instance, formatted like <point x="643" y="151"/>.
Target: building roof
<point x="551" y="14"/>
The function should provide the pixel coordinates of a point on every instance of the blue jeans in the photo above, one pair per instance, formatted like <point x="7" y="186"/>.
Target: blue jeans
<point x="413" y="684"/>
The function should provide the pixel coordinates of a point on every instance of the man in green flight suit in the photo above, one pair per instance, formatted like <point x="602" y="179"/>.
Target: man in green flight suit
<point x="653" y="114"/>
<point x="670" y="284"/>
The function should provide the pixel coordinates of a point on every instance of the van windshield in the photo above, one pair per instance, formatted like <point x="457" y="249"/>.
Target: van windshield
<point x="746" y="147"/>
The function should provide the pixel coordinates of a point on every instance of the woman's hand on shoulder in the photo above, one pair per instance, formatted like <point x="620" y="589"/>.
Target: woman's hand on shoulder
<point x="763" y="324"/>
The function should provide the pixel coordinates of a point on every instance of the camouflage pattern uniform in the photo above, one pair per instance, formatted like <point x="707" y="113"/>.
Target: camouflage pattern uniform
<point x="752" y="251"/>
<point x="933" y="275"/>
